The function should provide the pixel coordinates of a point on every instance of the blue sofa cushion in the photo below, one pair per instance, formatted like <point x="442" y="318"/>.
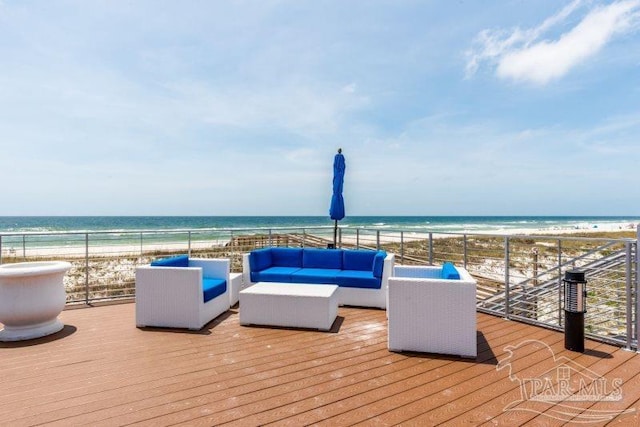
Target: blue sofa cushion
<point x="315" y="276"/>
<point x="260" y="259"/>
<point x="449" y="272"/>
<point x="212" y="288"/>
<point x="358" y="260"/>
<point x="358" y="279"/>
<point x="286" y="257"/>
<point x="175" y="261"/>
<point x="322" y="258"/>
<point x="274" y="274"/>
<point x="378" y="263"/>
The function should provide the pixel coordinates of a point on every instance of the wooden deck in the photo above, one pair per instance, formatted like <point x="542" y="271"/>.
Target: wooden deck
<point x="102" y="370"/>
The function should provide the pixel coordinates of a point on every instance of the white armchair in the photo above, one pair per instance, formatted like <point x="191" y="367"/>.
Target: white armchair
<point x="428" y="313"/>
<point x="182" y="296"/>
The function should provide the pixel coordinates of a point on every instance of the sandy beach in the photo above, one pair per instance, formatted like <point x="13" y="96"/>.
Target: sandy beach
<point x="349" y="236"/>
<point x="111" y="268"/>
<point x="621" y="228"/>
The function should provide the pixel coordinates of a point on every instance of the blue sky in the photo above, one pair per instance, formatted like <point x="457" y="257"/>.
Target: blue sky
<point x="238" y="107"/>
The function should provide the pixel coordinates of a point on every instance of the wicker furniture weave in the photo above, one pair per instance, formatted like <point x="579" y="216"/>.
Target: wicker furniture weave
<point x="290" y="305"/>
<point x="235" y="285"/>
<point x="430" y="314"/>
<point x="173" y="296"/>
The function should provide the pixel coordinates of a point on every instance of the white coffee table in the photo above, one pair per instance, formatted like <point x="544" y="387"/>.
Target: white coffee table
<point x="296" y="305"/>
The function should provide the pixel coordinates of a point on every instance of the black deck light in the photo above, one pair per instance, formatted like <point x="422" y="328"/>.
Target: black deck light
<point x="575" y="306"/>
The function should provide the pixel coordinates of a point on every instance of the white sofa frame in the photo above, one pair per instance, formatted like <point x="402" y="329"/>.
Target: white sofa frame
<point x="172" y="296"/>
<point x="359" y="297"/>
<point x="430" y="314"/>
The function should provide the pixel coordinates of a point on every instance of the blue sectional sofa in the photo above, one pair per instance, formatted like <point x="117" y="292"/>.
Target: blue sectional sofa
<point x="361" y="275"/>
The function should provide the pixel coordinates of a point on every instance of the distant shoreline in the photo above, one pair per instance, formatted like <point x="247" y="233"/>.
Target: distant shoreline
<point x="623" y="229"/>
<point x="221" y="225"/>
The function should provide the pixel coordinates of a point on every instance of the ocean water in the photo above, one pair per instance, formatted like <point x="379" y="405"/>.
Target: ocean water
<point x="442" y="224"/>
<point x="31" y="232"/>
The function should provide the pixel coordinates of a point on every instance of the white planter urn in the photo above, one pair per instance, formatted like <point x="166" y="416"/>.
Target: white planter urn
<point x="32" y="295"/>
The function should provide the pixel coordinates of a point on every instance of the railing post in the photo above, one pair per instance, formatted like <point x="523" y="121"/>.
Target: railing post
<point x="430" y="248"/>
<point x="629" y="309"/>
<point x="507" y="287"/>
<point x="189" y="244"/>
<point x="559" y="282"/>
<point x="464" y="248"/>
<point x="339" y="237"/>
<point x="378" y="239"/>
<point x="401" y="247"/>
<point x="637" y="288"/>
<point x="24" y="247"/>
<point x="0" y="249"/>
<point x="357" y="238"/>
<point x="534" y="253"/>
<point x="233" y="247"/>
<point x="141" y="247"/>
<point x="86" y="268"/>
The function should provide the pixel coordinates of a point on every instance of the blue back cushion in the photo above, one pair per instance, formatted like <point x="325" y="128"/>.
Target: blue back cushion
<point x="175" y="261"/>
<point x="322" y="258"/>
<point x="378" y="263"/>
<point x="286" y="257"/>
<point x="449" y="272"/>
<point x="358" y="260"/>
<point x="260" y="259"/>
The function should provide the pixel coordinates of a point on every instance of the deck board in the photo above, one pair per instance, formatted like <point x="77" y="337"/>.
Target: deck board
<point x="102" y="370"/>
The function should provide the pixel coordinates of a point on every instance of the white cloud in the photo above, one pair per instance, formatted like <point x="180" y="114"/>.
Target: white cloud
<point x="526" y="55"/>
<point x="310" y="109"/>
<point x="350" y="88"/>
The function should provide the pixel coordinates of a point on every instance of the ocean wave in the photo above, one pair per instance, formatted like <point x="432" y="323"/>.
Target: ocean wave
<point x="127" y="227"/>
<point x="31" y="230"/>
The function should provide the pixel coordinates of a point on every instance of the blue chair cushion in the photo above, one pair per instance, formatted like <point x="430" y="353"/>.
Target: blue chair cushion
<point x="175" y="261"/>
<point x="315" y="276"/>
<point x="358" y="260"/>
<point x="274" y="274"/>
<point x="286" y="257"/>
<point x="260" y="259"/>
<point x="358" y="279"/>
<point x="378" y="263"/>
<point x="212" y="288"/>
<point x="449" y="272"/>
<point x="322" y="258"/>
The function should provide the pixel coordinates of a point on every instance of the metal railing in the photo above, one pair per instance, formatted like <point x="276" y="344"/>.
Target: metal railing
<point x="519" y="277"/>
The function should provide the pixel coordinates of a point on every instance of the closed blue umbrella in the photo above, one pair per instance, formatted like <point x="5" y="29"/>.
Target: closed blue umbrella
<point x="336" y="211"/>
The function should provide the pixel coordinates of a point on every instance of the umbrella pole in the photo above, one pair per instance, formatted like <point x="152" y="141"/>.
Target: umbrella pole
<point x="335" y="234"/>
